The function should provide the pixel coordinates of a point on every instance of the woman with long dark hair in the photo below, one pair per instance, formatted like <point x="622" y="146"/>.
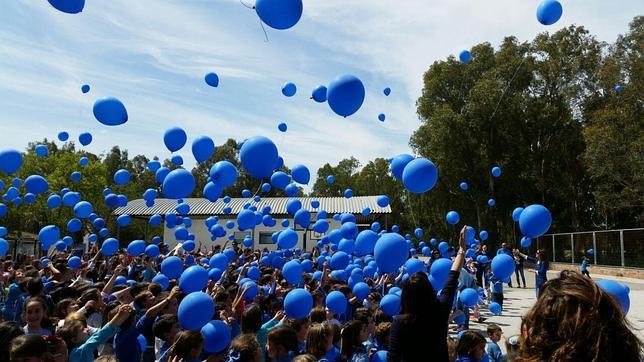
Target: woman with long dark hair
<point x="419" y="333"/>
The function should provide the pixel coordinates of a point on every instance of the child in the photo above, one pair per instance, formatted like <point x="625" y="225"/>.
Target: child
<point x="188" y="347"/>
<point x="282" y="344"/>
<point x="496" y="289"/>
<point x="245" y="348"/>
<point x="301" y="327"/>
<point x="584" y="266"/>
<point x="382" y="336"/>
<point x="165" y="329"/>
<point x="471" y="347"/>
<point x="29" y="348"/>
<point x="512" y="346"/>
<point x="34" y="314"/>
<point x="494" y="332"/>
<point x="319" y="342"/>
<point x="353" y="334"/>
<point x="81" y="345"/>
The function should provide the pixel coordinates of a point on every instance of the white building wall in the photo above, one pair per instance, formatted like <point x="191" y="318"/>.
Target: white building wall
<point x="202" y="234"/>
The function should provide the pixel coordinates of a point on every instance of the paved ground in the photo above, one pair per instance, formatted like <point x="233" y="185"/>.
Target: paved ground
<point x="518" y="301"/>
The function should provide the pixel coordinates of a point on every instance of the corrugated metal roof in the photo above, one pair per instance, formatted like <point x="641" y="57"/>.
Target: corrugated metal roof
<point x="204" y="207"/>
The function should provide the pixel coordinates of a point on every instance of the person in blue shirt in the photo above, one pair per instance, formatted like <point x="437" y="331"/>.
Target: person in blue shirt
<point x="584" y="266"/>
<point x="541" y="268"/>
<point x="12" y="308"/>
<point x="81" y="345"/>
<point x="493" y="350"/>
<point x="319" y="342"/>
<point x="496" y="289"/>
<point x="471" y="347"/>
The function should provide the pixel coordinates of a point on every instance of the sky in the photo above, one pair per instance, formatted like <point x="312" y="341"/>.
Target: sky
<point x="153" y="55"/>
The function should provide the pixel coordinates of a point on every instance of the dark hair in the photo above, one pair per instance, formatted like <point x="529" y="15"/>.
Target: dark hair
<point x="575" y="320"/>
<point x="185" y="343"/>
<point x="26" y="346"/>
<point x="69" y="332"/>
<point x="492" y="328"/>
<point x="60" y="311"/>
<point x="251" y="320"/>
<point x="34" y="286"/>
<point x="468" y="343"/>
<point x="418" y="298"/>
<point x="317" y="315"/>
<point x="155" y="288"/>
<point x="380" y="317"/>
<point x="142" y="296"/>
<point x="8" y="331"/>
<point x="351" y="338"/>
<point x="245" y="346"/>
<point x="163" y="325"/>
<point x="284" y="336"/>
<point x="316" y="339"/>
<point x="381" y="334"/>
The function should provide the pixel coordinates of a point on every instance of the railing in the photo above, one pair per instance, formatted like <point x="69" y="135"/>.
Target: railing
<point x="620" y="248"/>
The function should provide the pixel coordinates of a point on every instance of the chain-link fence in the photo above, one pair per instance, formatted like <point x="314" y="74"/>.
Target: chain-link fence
<point x="623" y="247"/>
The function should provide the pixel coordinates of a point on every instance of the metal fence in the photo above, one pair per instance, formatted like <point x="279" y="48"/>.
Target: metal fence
<point x="622" y="248"/>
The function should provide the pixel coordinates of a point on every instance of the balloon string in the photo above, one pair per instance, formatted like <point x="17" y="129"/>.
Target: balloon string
<point x="264" y="30"/>
<point x="411" y="210"/>
<point x="246" y="5"/>
<point x="516" y="71"/>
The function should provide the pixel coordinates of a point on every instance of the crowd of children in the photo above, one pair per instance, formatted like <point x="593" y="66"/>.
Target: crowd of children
<point x="109" y="309"/>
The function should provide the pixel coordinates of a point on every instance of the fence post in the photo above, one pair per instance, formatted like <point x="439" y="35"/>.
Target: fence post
<point x="553" y="248"/>
<point x="621" y="245"/>
<point x="572" y="248"/>
<point x="594" y="248"/>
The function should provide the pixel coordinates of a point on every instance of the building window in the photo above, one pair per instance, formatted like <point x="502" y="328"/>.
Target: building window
<point x="240" y="235"/>
<point x="265" y="238"/>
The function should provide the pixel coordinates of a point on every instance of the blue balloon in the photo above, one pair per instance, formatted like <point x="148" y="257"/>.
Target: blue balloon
<point x="321" y="226"/>
<point x="535" y="221"/>
<point x="339" y="260"/>
<point x="469" y="297"/>
<point x="382" y="201"/>
<point x="175" y="138"/>
<point x="68" y="6"/>
<point x="63" y="136"/>
<point x="302" y="218"/>
<point x="298" y="303"/>
<point x="516" y="213"/>
<point x="390" y="252"/>
<point x="439" y="271"/>
<point x="282" y="127"/>
<point x="75" y="176"/>
<point x="482" y="259"/>
<point x="83" y="209"/>
<point x="161" y="280"/>
<point x="347" y="245"/>
<point x="618" y="291"/>
<point x="219" y="261"/>
<point x="258" y="156"/>
<point x="152" y="251"/>
<point x="345" y="95"/>
<point x="502" y="266"/>
<point x="336" y="302"/>
<point x="4" y="247"/>
<point x="74" y="225"/>
<point x="41" y="150"/>
<point x="379" y="356"/>
<point x="452" y="217"/>
<point x="301" y="174"/>
<point x="330" y="179"/>
<point x="110" y="111"/>
<point x="465" y="57"/>
<point x="381" y="117"/>
<point x="526" y="242"/>
<point x="618" y="88"/>
<point x="136" y="247"/>
<point x="414" y="266"/>
<point x="72" y="198"/>
<point x="60" y="245"/>
<point x="491" y="202"/>
<point x="36" y="184"/>
<point x="223" y="173"/>
<point x="195" y="310"/>
<point x="291" y="190"/>
<point x="279" y="14"/>
<point x="193" y="279"/>
<point x="212" y="79"/>
<point x="464" y="186"/>
<point x="172" y="267"/>
<point x="54" y="201"/>
<point x="246" y="220"/>
<point x="319" y="94"/>
<point x="390" y="304"/>
<point x="85" y="88"/>
<point x="83" y="161"/>
<point x="216" y="336"/>
<point x="365" y="242"/>
<point x="483" y="235"/>
<point x="549" y="12"/>
<point x="361" y="290"/>
<point x="398" y="164"/>
<point x="85" y="138"/>
<point x="418" y="233"/>
<point x="496" y="171"/>
<point x="292" y="272"/>
<point x="280" y="179"/>
<point x="121" y="177"/>
<point x="495" y="308"/>
<point x="289" y="89"/>
<point x="203" y="148"/>
<point x="387" y="91"/>
<point x="10" y="161"/>
<point x="420" y="175"/>
<point x="110" y="246"/>
<point x="287" y="239"/>
<point x="178" y="184"/>
<point x="74" y="262"/>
